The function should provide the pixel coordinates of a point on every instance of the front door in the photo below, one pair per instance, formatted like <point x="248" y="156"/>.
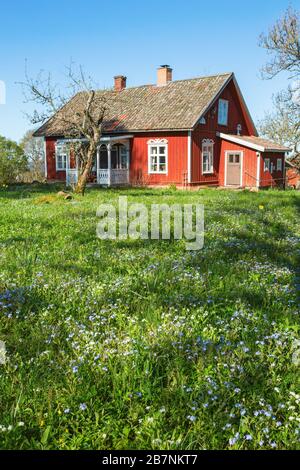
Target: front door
<point x="233" y="169"/>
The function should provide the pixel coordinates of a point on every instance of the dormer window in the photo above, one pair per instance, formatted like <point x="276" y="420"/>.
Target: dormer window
<point x="223" y="112"/>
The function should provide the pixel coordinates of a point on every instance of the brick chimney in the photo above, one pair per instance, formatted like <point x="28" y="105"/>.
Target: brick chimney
<point x="120" y="82"/>
<point x="164" y="75"/>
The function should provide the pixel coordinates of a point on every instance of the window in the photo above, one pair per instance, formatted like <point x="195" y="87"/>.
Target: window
<point x="223" y="112"/>
<point x="61" y="156"/>
<point x="266" y="164"/>
<point x="207" y="156"/>
<point x="234" y="158"/>
<point x="279" y="164"/>
<point x="158" y="156"/>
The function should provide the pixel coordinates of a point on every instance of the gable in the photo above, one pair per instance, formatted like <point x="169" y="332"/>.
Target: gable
<point x="238" y="112"/>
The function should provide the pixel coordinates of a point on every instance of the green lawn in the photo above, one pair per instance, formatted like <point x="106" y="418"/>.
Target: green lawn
<point x="142" y="344"/>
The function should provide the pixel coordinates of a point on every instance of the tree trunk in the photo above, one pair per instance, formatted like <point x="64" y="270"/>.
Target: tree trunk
<point x="84" y="176"/>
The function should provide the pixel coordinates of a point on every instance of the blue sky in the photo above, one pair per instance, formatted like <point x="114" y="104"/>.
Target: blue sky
<point x="133" y="38"/>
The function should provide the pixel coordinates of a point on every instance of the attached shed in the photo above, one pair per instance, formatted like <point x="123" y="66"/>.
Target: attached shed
<point x="250" y="161"/>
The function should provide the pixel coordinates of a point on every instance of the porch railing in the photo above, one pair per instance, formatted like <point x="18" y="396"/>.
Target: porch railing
<point x="116" y="176"/>
<point x="71" y="176"/>
<point x="120" y="176"/>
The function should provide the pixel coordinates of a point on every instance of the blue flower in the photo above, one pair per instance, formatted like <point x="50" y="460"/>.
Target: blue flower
<point x="82" y="406"/>
<point x="191" y="418"/>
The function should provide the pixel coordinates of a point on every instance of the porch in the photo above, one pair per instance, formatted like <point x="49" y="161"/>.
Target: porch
<point x="111" y="163"/>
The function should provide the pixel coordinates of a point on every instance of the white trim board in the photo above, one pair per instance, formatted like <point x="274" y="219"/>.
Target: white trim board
<point x="189" y="162"/>
<point x="239" y="140"/>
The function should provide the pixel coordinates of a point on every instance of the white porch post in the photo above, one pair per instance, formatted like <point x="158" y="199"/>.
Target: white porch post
<point x="108" y="146"/>
<point x="98" y="163"/>
<point x="127" y="145"/>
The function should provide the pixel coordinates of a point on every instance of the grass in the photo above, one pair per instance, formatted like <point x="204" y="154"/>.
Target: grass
<point x="140" y="344"/>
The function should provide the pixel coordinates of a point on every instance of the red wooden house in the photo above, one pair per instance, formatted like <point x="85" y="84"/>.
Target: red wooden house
<point x="188" y="132"/>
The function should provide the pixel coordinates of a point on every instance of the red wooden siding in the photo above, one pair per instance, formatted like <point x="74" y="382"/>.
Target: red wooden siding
<point x="208" y="131"/>
<point x="52" y="174"/>
<point x="249" y="164"/>
<point x="276" y="177"/>
<point x="177" y="158"/>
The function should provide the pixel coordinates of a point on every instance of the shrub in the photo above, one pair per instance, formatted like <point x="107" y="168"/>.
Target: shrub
<point x="13" y="162"/>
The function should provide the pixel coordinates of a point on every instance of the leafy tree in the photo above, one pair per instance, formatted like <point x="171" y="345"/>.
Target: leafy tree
<point x="13" y="161"/>
<point x="33" y="148"/>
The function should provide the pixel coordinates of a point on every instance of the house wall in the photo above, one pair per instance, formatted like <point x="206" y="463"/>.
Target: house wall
<point x="208" y="131"/>
<point x="276" y="177"/>
<point x="52" y="174"/>
<point x="177" y="158"/>
<point x="249" y="163"/>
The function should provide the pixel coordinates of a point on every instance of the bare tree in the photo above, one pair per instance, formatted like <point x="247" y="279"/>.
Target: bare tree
<point x="79" y="113"/>
<point x="283" y="43"/>
<point x="283" y="124"/>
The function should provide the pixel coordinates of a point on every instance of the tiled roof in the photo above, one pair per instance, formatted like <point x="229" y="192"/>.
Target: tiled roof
<point x="177" y="105"/>
<point x="257" y="143"/>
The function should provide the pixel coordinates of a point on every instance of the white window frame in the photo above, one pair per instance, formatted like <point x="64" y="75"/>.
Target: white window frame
<point x="267" y="165"/>
<point x="223" y="107"/>
<point x="279" y="164"/>
<point x="209" y="143"/>
<point x="157" y="143"/>
<point x="61" y="151"/>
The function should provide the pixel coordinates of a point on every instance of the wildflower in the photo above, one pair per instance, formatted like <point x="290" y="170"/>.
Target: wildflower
<point x="234" y="439"/>
<point x="191" y="418"/>
<point x="162" y="410"/>
<point x="237" y="390"/>
<point x="21" y="423"/>
<point x="67" y="410"/>
<point x="248" y="437"/>
<point x="82" y="406"/>
<point x="273" y="444"/>
<point x="227" y="426"/>
<point x="75" y="369"/>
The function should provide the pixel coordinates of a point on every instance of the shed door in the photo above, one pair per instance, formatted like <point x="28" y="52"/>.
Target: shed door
<point x="234" y="167"/>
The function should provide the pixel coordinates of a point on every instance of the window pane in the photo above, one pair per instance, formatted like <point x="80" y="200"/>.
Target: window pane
<point x="162" y="167"/>
<point x="230" y="158"/>
<point x="237" y="158"/>
<point x="162" y="150"/>
<point x="153" y="150"/>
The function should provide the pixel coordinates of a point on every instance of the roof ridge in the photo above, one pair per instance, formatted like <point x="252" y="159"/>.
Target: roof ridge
<point x="146" y="85"/>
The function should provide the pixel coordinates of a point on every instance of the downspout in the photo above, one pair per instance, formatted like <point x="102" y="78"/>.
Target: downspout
<point x="45" y="158"/>
<point x="258" y="155"/>
<point x="189" y="162"/>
